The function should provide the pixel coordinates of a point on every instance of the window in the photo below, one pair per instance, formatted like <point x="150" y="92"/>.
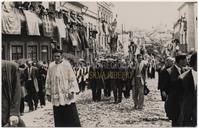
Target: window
<point x="44" y="53"/>
<point x="17" y="52"/>
<point x="32" y="52"/>
<point x="3" y="52"/>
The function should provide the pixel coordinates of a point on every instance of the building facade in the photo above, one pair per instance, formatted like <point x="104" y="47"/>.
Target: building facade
<point x="16" y="47"/>
<point x="93" y="17"/>
<point x="28" y="39"/>
<point x="185" y="29"/>
<point x="17" y="41"/>
<point x="91" y="21"/>
<point x="105" y="17"/>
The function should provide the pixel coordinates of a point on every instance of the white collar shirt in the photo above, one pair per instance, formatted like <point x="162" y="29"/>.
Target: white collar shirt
<point x="178" y="68"/>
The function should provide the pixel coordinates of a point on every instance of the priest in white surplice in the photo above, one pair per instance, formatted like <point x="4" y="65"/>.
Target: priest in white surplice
<point x="61" y="89"/>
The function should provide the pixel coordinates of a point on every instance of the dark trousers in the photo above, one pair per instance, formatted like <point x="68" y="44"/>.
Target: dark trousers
<point x="127" y="90"/>
<point x="32" y="101"/>
<point x="82" y="85"/>
<point x="41" y="96"/>
<point x="107" y="92"/>
<point x="32" y="95"/>
<point x="175" y="123"/>
<point x="41" y="93"/>
<point x="117" y="92"/>
<point x="153" y="74"/>
<point x="96" y="93"/>
<point x="22" y="105"/>
<point x="66" y="116"/>
<point x="107" y="88"/>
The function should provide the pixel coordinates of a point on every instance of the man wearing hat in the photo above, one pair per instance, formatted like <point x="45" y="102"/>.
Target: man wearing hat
<point x="163" y="76"/>
<point x="188" y="80"/>
<point x="173" y="88"/>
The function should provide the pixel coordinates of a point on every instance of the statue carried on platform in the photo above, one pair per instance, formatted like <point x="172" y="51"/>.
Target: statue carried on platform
<point x="113" y="36"/>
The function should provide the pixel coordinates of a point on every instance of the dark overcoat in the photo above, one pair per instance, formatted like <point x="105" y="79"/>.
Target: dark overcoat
<point x="11" y="91"/>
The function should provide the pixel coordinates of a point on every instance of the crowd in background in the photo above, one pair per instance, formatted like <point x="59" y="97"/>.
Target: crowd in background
<point x="120" y="76"/>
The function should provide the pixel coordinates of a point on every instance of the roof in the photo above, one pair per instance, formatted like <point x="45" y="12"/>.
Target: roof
<point x="181" y="6"/>
<point x="184" y="4"/>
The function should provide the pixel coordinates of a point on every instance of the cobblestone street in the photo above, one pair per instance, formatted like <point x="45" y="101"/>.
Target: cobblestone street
<point x="107" y="114"/>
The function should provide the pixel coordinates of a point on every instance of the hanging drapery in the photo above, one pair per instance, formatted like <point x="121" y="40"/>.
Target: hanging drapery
<point x="113" y="43"/>
<point x="177" y="31"/>
<point x="103" y="28"/>
<point x="61" y="27"/>
<point x="47" y="26"/>
<point x="106" y="29"/>
<point x="82" y="35"/>
<point x="66" y="34"/>
<point x="11" y="22"/>
<point x="73" y="39"/>
<point x="79" y="46"/>
<point x="33" y="22"/>
<point x="185" y="25"/>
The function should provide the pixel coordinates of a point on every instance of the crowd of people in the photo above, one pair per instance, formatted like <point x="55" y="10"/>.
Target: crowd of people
<point x="61" y="80"/>
<point x="116" y="75"/>
<point x="178" y="86"/>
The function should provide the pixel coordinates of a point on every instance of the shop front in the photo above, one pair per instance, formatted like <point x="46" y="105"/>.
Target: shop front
<point x="31" y="29"/>
<point x="18" y="47"/>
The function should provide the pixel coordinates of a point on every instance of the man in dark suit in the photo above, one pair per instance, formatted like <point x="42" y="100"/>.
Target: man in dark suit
<point x="107" y="88"/>
<point x="31" y="85"/>
<point x="11" y="94"/>
<point x="95" y="81"/>
<point x="163" y="77"/>
<point x="41" y="77"/>
<point x="173" y="89"/>
<point x="188" y="80"/>
<point x="117" y="84"/>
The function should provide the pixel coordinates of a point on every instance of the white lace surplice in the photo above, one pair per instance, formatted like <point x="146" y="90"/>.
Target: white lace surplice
<point x="61" y="81"/>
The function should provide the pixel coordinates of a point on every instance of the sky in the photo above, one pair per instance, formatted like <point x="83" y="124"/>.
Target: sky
<point x="145" y="15"/>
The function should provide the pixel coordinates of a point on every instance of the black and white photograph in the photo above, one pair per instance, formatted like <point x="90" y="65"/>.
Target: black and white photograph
<point x="98" y="63"/>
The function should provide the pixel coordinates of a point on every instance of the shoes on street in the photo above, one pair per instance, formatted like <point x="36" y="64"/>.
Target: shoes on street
<point x="135" y="107"/>
<point x="140" y="108"/>
<point x="36" y="106"/>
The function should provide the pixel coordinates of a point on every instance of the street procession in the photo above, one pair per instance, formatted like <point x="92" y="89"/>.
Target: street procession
<point x="98" y="64"/>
